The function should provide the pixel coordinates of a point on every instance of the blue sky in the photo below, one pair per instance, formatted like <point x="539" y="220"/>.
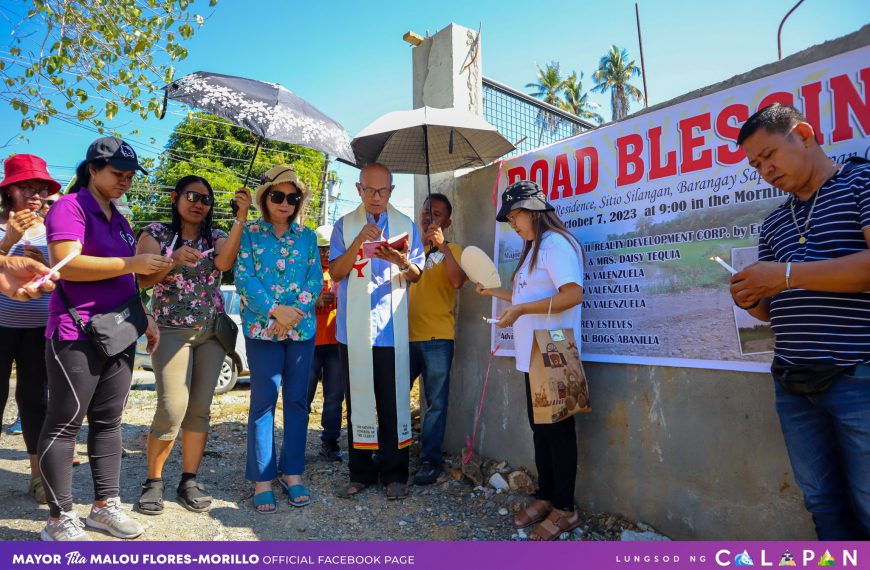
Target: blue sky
<point x="349" y="60"/>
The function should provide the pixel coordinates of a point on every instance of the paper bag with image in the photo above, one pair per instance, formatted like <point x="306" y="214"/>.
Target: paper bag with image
<point x="556" y="377"/>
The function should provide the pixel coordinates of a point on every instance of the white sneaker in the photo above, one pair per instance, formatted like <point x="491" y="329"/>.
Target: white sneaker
<point x="68" y="527"/>
<point x="113" y="520"/>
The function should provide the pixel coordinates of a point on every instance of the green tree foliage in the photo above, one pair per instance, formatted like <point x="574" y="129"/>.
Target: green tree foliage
<point x="211" y="147"/>
<point x="91" y="58"/>
<point x="548" y="88"/>
<point x="566" y="94"/>
<point x="576" y="101"/>
<point x="549" y="85"/>
<point x="613" y="74"/>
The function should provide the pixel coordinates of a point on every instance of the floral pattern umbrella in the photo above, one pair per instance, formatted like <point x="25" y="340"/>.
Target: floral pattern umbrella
<point x="268" y="110"/>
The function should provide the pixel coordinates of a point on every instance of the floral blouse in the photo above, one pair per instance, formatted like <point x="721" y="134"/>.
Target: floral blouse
<point x="188" y="297"/>
<point x="275" y="271"/>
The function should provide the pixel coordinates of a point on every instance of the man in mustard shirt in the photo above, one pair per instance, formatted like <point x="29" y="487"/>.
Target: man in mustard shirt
<point x="431" y="330"/>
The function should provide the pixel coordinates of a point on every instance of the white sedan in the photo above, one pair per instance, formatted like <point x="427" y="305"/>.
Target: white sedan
<point x="235" y="365"/>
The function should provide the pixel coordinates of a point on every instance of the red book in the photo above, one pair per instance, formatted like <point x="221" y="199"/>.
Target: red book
<point x="399" y="242"/>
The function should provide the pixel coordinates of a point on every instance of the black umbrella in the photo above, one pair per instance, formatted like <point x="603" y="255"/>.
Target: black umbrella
<point x="266" y="109"/>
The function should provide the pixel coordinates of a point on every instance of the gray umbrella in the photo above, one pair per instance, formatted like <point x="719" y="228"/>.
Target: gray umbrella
<point x="427" y="140"/>
<point x="266" y="109"/>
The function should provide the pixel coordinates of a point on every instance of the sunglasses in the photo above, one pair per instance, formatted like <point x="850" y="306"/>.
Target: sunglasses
<point x="194" y="197"/>
<point x="277" y="197"/>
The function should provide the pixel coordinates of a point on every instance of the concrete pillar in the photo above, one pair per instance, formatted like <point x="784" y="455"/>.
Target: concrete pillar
<point x="447" y="70"/>
<point x="446" y="73"/>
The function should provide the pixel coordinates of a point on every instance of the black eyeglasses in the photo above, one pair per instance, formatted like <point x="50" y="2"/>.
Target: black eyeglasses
<point x="277" y="197"/>
<point x="50" y="202"/>
<point x="30" y="190"/>
<point x="195" y="197"/>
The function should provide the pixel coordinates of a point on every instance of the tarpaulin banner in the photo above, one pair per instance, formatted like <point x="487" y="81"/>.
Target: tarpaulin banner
<point x="654" y="197"/>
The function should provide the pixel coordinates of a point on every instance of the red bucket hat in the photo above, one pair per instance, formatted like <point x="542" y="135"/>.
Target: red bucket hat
<point x="23" y="167"/>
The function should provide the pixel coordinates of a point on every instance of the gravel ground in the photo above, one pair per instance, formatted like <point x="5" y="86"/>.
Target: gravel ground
<point x="455" y="508"/>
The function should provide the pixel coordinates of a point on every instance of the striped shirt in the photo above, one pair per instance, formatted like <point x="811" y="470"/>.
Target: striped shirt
<point x="817" y="328"/>
<point x="33" y="313"/>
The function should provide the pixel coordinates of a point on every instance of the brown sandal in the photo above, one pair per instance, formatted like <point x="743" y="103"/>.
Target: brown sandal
<point x="37" y="490"/>
<point x="351" y="489"/>
<point x="536" y="512"/>
<point x="555" y="524"/>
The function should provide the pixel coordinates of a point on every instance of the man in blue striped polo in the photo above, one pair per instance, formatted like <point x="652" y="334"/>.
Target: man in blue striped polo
<point x="811" y="282"/>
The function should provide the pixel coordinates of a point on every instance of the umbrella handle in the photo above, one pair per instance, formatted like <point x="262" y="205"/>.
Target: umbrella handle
<point x="165" y="102"/>
<point x="428" y="176"/>
<point x="251" y="165"/>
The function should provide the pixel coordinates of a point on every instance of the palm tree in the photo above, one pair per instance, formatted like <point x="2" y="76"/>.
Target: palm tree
<point x="613" y="74"/>
<point x="548" y="88"/>
<point x="550" y="83"/>
<point x="576" y="102"/>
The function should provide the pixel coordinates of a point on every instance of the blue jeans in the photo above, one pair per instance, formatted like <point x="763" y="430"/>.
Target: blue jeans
<point x="828" y="441"/>
<point x="327" y="365"/>
<point x="275" y="365"/>
<point x="432" y="359"/>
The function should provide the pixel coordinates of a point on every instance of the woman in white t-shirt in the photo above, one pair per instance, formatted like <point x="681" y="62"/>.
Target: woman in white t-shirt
<point x="547" y="290"/>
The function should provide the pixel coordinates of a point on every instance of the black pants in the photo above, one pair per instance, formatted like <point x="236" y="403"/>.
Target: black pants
<point x="555" y="458"/>
<point x="25" y="347"/>
<point x="81" y="382"/>
<point x="326" y="365"/>
<point x="392" y="465"/>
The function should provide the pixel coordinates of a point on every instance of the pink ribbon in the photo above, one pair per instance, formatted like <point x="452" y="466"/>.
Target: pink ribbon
<point x="469" y="441"/>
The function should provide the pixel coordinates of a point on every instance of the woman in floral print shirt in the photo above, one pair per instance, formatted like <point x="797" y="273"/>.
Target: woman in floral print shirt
<point x="185" y="302"/>
<point x="278" y="277"/>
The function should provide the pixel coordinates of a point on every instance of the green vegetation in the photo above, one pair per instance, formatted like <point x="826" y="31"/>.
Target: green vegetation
<point x="92" y="58"/>
<point x="613" y="74"/>
<point x="576" y="101"/>
<point x="694" y="268"/>
<point x="211" y="147"/>
<point x="566" y="94"/>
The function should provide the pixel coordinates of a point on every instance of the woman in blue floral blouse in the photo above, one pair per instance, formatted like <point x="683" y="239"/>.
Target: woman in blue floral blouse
<point x="185" y="302"/>
<point x="278" y="277"/>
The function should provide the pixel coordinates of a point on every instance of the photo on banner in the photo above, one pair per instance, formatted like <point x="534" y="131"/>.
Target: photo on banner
<point x="654" y="197"/>
<point x="754" y="336"/>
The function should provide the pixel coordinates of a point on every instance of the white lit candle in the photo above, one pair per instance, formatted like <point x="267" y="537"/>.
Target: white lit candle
<point x="721" y="262"/>
<point x="171" y="247"/>
<point x="56" y="268"/>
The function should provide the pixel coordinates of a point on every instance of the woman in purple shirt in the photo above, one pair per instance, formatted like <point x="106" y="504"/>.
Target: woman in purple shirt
<point x="80" y="380"/>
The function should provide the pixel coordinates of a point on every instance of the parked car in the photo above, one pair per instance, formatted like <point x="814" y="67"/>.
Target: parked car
<point x="235" y="365"/>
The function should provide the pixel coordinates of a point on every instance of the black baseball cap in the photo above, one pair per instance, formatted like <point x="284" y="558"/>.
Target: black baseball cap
<point x="522" y="195"/>
<point x="116" y="152"/>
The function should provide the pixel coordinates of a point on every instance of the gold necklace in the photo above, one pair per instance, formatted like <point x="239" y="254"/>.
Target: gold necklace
<point x="803" y="238"/>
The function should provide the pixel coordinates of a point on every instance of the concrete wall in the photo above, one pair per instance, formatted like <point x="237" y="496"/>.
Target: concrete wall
<point x="696" y="453"/>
